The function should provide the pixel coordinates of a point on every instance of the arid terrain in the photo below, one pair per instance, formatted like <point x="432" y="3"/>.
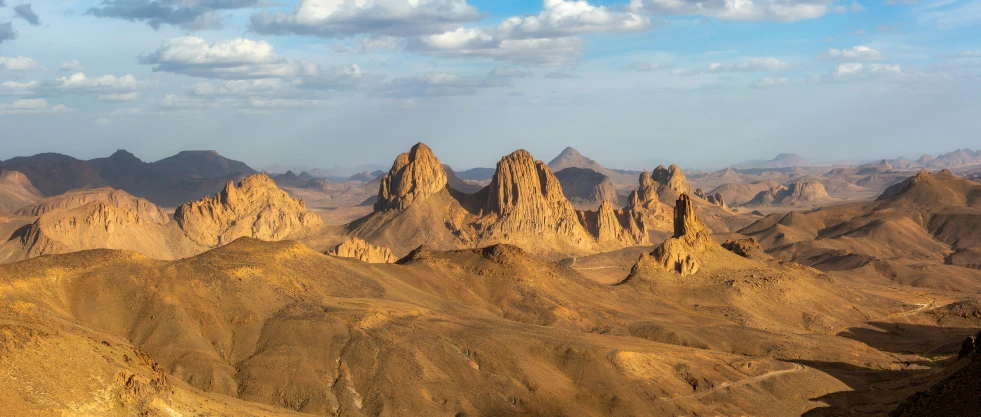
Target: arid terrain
<point x="197" y="285"/>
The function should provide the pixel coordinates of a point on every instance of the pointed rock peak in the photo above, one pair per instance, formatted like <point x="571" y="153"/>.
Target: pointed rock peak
<point x="945" y="173"/>
<point x="123" y="155"/>
<point x="686" y="224"/>
<point x="570" y="151"/>
<point x="520" y="180"/>
<point x="414" y="177"/>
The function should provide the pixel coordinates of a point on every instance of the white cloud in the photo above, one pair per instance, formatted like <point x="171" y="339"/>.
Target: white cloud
<point x="79" y="83"/>
<point x="779" y="10"/>
<point x="561" y="75"/>
<point x="18" y="63"/>
<point x="72" y="65"/>
<point x="238" y="58"/>
<point x="349" y="77"/>
<point x="186" y="14"/>
<point x="848" y="71"/>
<point x="340" y="18"/>
<point x="32" y="106"/>
<point x="477" y="43"/>
<point x="750" y="65"/>
<point x="857" y="7"/>
<point x="566" y="18"/>
<point x="855" y="53"/>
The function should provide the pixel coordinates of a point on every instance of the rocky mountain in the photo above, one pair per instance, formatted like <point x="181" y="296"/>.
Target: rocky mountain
<point x="691" y="238"/>
<point x="523" y="205"/>
<point x="116" y="198"/>
<point x="671" y="182"/>
<point x="203" y="164"/>
<point x="794" y="194"/>
<point x="16" y="191"/>
<point x="586" y="188"/>
<point x="477" y="174"/>
<point x="257" y="208"/>
<point x="784" y="160"/>
<point x="363" y="251"/>
<point x="54" y="173"/>
<point x="571" y="158"/>
<point x="740" y="194"/>
<point x="366" y="176"/>
<point x="924" y="229"/>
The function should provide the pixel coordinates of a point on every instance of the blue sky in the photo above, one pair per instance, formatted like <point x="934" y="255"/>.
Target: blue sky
<point x="630" y="83"/>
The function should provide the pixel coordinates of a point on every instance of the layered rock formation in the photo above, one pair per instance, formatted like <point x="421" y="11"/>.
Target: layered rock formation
<point x="256" y="208"/>
<point x="16" y="191"/>
<point x="96" y="225"/>
<point x="363" y="251"/>
<point x="116" y="198"/>
<point x="527" y="199"/>
<point x="715" y="199"/>
<point x="691" y="237"/>
<point x="796" y="193"/>
<point x="616" y="226"/>
<point x="414" y="176"/>
<point x="645" y="203"/>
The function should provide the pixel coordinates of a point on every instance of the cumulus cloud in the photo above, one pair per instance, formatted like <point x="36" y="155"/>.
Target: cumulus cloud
<point x="750" y="65"/>
<point x="72" y="65"/>
<point x="187" y="14"/>
<point x="566" y="18"/>
<point x="477" y="43"/>
<point x="848" y="71"/>
<point x="550" y="38"/>
<point x="651" y="66"/>
<point x="509" y="72"/>
<point x="855" y="53"/>
<point x="31" y="106"/>
<point x="439" y="84"/>
<point x="132" y="96"/>
<point x="340" y="18"/>
<point x="349" y="77"/>
<point x="778" y="10"/>
<point x="7" y="32"/>
<point x="18" y="63"/>
<point x="26" y="13"/>
<point x="104" y="86"/>
<point x="238" y="58"/>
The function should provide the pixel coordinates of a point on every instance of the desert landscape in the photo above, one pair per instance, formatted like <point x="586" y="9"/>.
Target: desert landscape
<point x="779" y="291"/>
<point x="486" y="208"/>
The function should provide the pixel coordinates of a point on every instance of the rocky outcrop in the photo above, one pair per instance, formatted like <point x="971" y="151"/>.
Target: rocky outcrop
<point x="691" y="237"/>
<point x="796" y="193"/>
<point x="363" y="251"/>
<point x="414" y="176"/>
<point x="96" y="225"/>
<point x="256" y="208"/>
<point x="143" y="208"/>
<point x="671" y="180"/>
<point x="715" y="199"/>
<point x="16" y="191"/>
<point x="616" y="226"/>
<point x="645" y="203"/>
<point x="747" y="248"/>
<point x="528" y="199"/>
<point x="587" y="187"/>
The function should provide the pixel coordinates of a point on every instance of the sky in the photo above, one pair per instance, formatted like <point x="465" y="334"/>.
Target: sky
<point x="630" y="83"/>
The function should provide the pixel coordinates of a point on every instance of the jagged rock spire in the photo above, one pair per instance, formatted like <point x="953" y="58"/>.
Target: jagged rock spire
<point x="414" y="176"/>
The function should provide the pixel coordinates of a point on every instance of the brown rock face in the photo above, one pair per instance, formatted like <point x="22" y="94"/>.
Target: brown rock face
<point x="16" y="191"/>
<point x="671" y="179"/>
<point x="619" y="226"/>
<point x="117" y="198"/>
<point x="256" y="208"/>
<point x="414" y="177"/>
<point x="645" y="203"/>
<point x="96" y="225"/>
<point x="528" y="199"/>
<point x="691" y="238"/>
<point x="363" y="251"/>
